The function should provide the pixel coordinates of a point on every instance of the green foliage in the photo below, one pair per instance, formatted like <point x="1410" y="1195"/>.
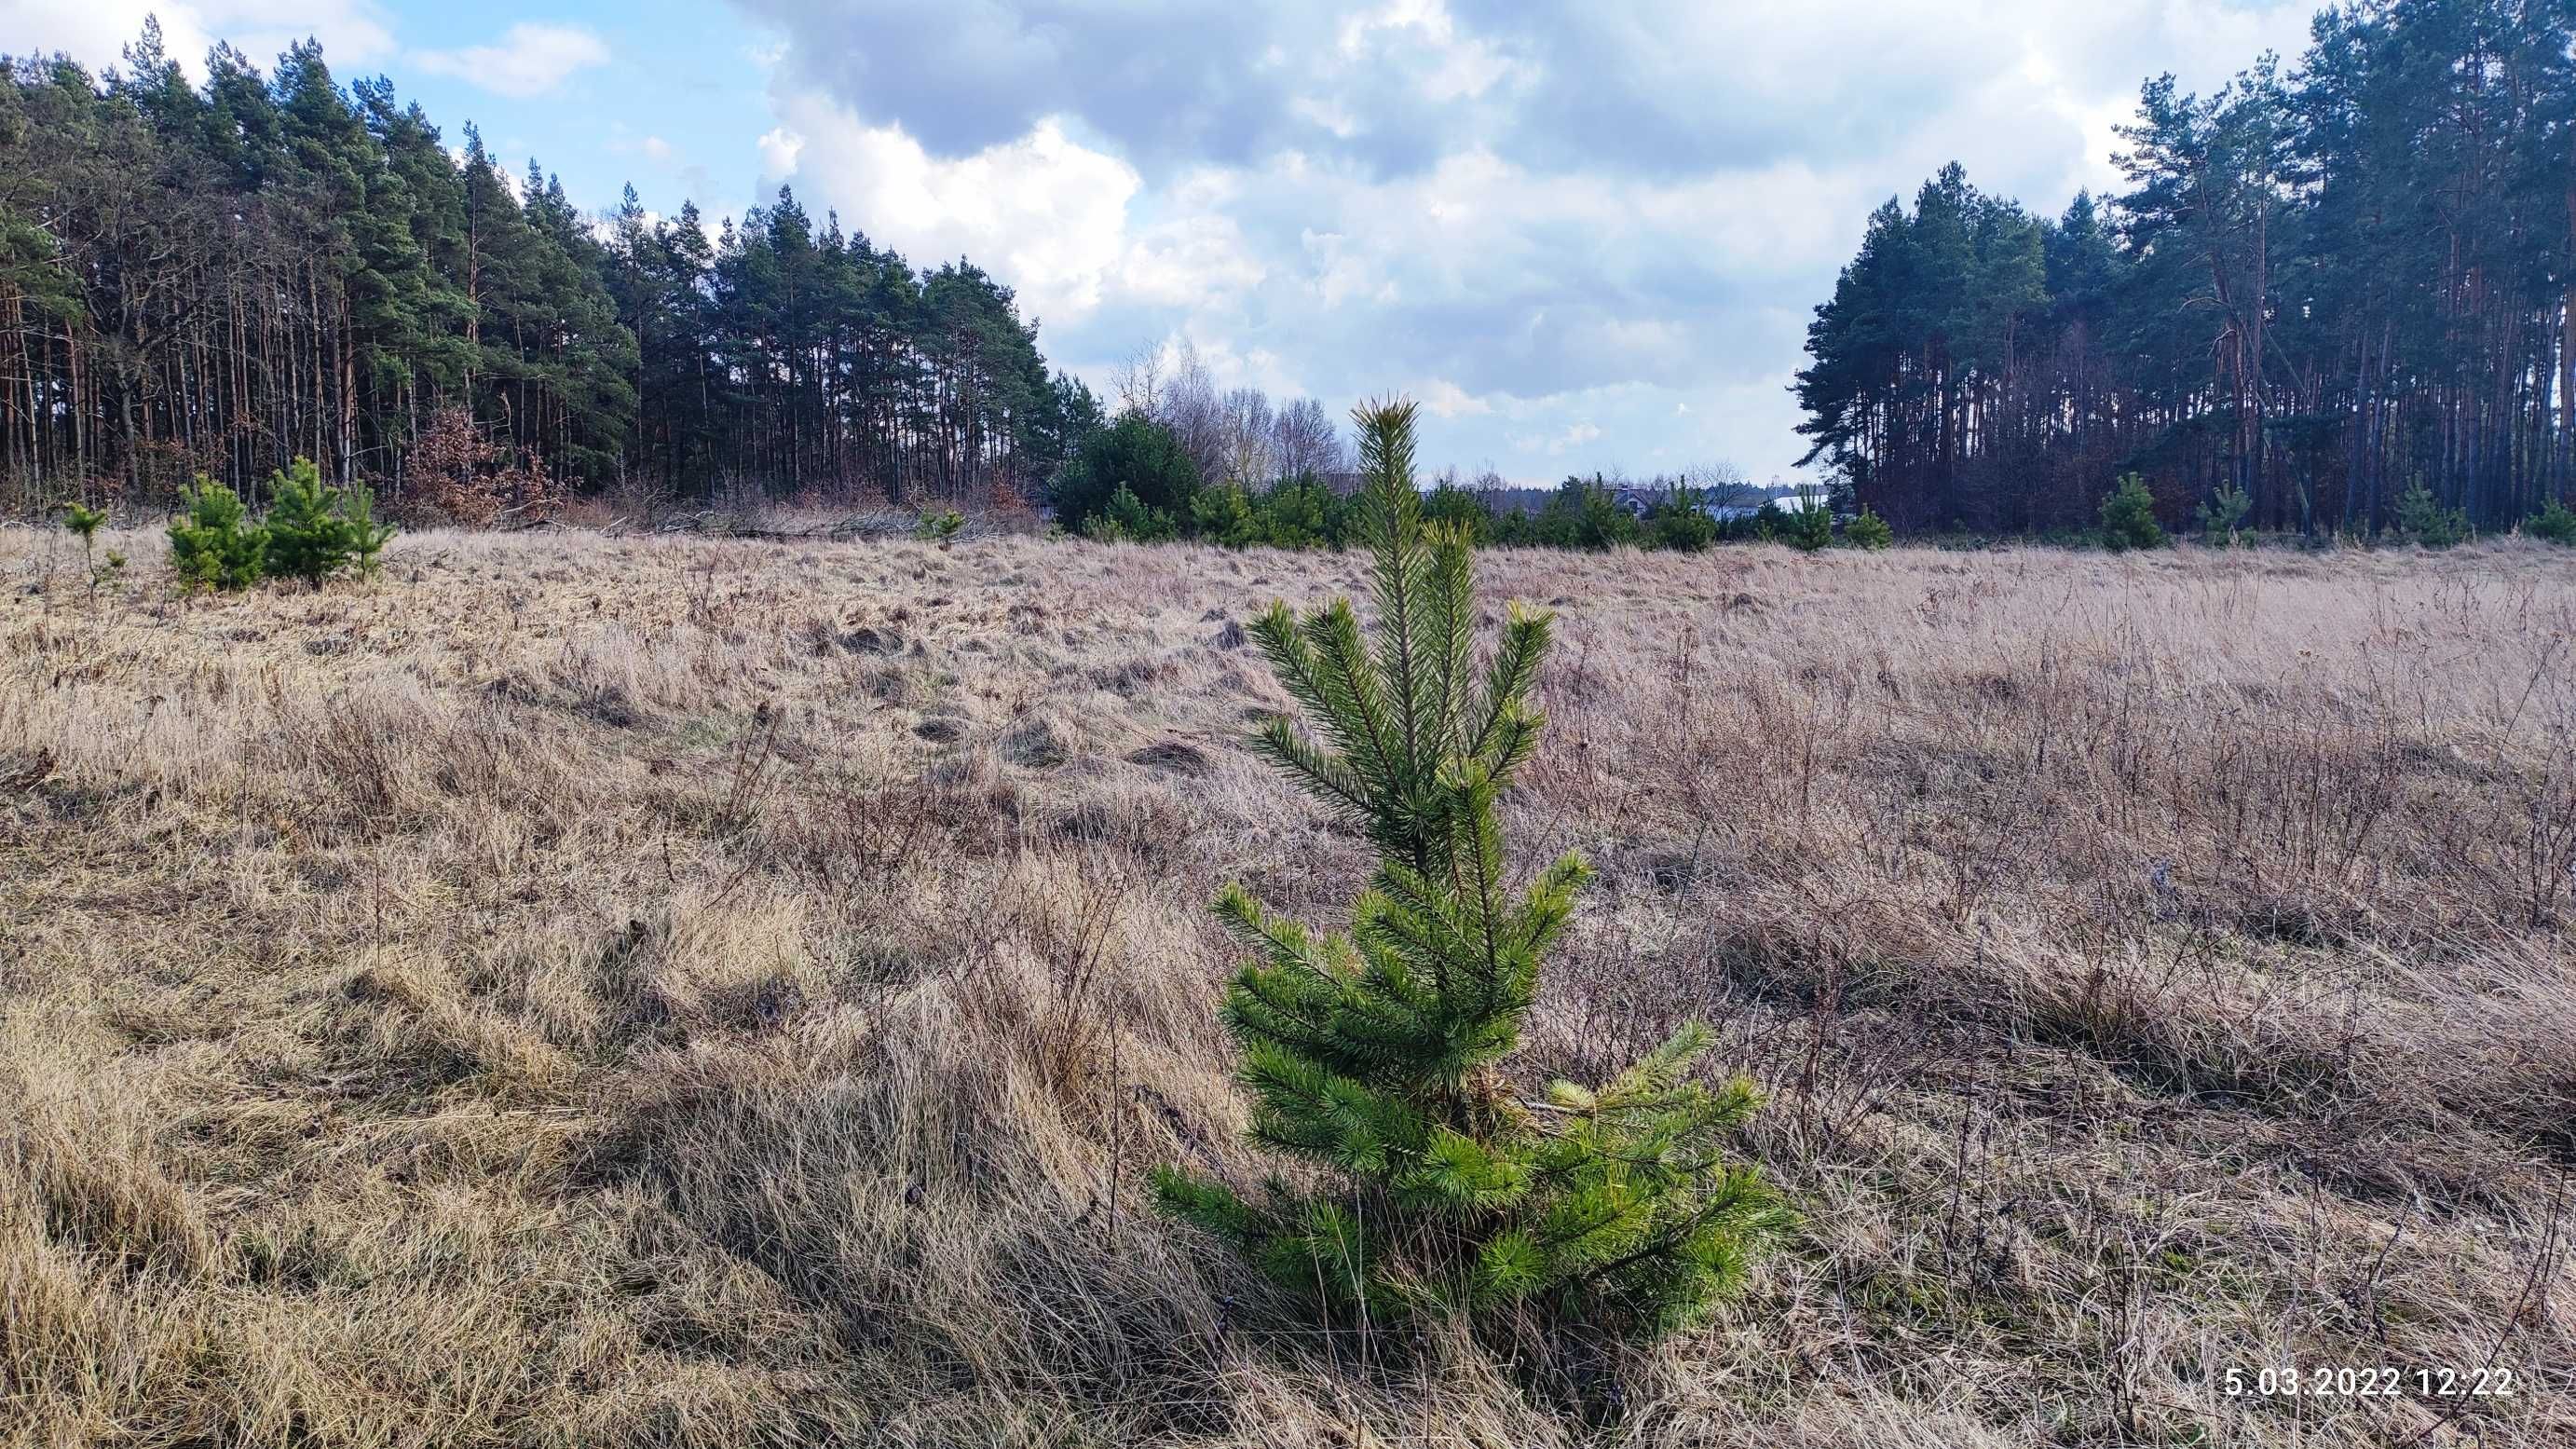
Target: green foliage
<point x="1128" y="519"/>
<point x="2555" y="523"/>
<point x="2129" y="516"/>
<point x="616" y="354"/>
<point x="315" y="530"/>
<point x="1976" y="359"/>
<point x="1770" y="521"/>
<point x="2422" y="520"/>
<point x="1304" y="513"/>
<point x="84" y="523"/>
<point x="1380" y="1054"/>
<point x="1868" y="530"/>
<point x="1227" y="516"/>
<point x="1680" y="523"/>
<point x="939" y="527"/>
<point x="2220" y="517"/>
<point x="1298" y="513"/>
<point x="1136" y="455"/>
<point x="1450" y="506"/>
<point x="312" y="531"/>
<point x="1580" y="514"/>
<point x="212" y="547"/>
<point x="1810" y="526"/>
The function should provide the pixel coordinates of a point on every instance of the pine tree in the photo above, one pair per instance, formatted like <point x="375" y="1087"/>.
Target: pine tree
<point x="315" y="530"/>
<point x="1869" y="531"/>
<point x="2129" y="517"/>
<point x="2422" y="520"/>
<point x="2556" y="523"/>
<point x="212" y="548"/>
<point x="2221" y="516"/>
<point x="1811" y="525"/>
<point x="1379" y="1056"/>
<point x="84" y="522"/>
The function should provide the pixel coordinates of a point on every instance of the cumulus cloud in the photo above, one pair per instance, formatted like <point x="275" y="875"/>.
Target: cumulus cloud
<point x="1539" y="219"/>
<point x="1445" y="399"/>
<point x="96" y="32"/>
<point x="1169" y="83"/>
<point x="1567" y="228"/>
<point x="779" y="148"/>
<point x="1044" y="213"/>
<point x="529" y="59"/>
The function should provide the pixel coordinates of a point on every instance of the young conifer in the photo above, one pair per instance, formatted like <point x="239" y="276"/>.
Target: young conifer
<point x="213" y="547"/>
<point x="316" y="530"/>
<point x="1380" y="1055"/>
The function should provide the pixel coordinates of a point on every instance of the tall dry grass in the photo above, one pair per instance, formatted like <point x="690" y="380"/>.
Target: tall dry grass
<point x="596" y="991"/>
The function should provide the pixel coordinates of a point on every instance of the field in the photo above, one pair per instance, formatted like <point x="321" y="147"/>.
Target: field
<point x="577" y="990"/>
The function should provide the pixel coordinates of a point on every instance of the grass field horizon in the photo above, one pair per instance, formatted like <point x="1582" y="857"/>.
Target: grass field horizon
<point x="624" y="990"/>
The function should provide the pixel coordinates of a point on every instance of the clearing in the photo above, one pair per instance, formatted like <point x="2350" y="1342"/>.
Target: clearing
<point x="622" y="991"/>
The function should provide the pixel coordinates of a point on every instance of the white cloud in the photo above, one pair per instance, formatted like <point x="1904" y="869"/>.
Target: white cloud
<point x="779" y="149"/>
<point x="1194" y="259"/>
<point x="1422" y="32"/>
<point x="510" y="180"/>
<point x="1044" y="213"/>
<point x="96" y="32"/>
<point x="1576" y="229"/>
<point x="1445" y="399"/>
<point x="529" y="59"/>
<point x="1556" y="444"/>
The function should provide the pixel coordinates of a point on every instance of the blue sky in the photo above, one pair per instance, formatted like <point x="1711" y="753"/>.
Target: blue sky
<point x="1587" y="237"/>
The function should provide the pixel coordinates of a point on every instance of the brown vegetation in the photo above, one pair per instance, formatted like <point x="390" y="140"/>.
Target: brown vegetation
<point x="581" y="990"/>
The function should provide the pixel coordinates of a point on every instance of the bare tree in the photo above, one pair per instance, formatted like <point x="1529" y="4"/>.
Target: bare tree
<point x="1250" y="459"/>
<point x="1188" y="405"/>
<point x="1237" y="436"/>
<point x="1139" y="379"/>
<point x="1305" y="442"/>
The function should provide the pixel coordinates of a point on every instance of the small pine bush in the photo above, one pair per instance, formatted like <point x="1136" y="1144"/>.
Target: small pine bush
<point x="316" y="530"/>
<point x="1451" y="506"/>
<point x="1681" y="523"/>
<point x="2129" y="517"/>
<point x="2423" y="521"/>
<point x="1811" y="526"/>
<point x="2223" y="515"/>
<point x="213" y="547"/>
<point x="1228" y="516"/>
<point x="1380" y="1055"/>
<point x="1769" y="522"/>
<point x="1135" y="455"/>
<point x="940" y="528"/>
<point x="2555" y="523"/>
<point x="1128" y="520"/>
<point x="84" y="523"/>
<point x="1868" y="530"/>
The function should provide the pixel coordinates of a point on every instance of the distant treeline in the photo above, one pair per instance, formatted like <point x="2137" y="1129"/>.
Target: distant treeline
<point x="220" y="278"/>
<point x="1139" y="480"/>
<point x="2326" y="287"/>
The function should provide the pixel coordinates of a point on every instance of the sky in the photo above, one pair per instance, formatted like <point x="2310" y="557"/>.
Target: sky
<point x="1586" y="237"/>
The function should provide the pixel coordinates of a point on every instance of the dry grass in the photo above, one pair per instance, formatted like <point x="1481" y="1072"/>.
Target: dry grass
<point x="591" y="991"/>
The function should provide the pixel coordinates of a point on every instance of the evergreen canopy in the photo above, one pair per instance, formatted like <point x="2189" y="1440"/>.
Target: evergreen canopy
<point x="1135" y="453"/>
<point x="221" y="278"/>
<point x="2320" y="286"/>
